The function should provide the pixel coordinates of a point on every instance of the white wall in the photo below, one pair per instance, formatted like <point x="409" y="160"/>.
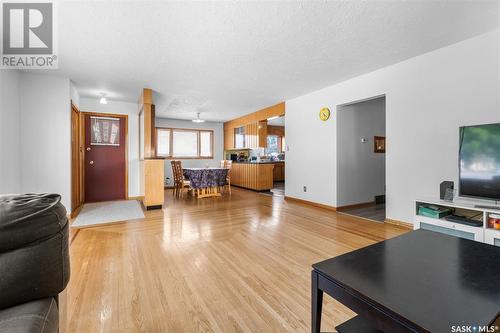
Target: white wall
<point x="10" y="174"/>
<point x="361" y="172"/>
<point x="132" y="110"/>
<point x="45" y="135"/>
<point x="190" y="163"/>
<point x="427" y="98"/>
<point x="74" y="95"/>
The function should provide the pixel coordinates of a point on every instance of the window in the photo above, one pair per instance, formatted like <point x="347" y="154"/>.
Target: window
<point x="275" y="144"/>
<point x="184" y="143"/>
<point x="163" y="142"/>
<point x="205" y="144"/>
<point x="239" y="137"/>
<point x="272" y="144"/>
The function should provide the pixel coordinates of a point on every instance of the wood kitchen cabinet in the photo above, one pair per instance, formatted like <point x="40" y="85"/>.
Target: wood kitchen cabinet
<point x="254" y="176"/>
<point x="279" y="171"/>
<point x="254" y="125"/>
<point x="256" y="135"/>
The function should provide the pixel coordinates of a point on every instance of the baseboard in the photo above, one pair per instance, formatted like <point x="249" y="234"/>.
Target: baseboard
<point x="140" y="198"/>
<point x="75" y="212"/>
<point x="399" y="223"/>
<point x="354" y="206"/>
<point x="311" y="203"/>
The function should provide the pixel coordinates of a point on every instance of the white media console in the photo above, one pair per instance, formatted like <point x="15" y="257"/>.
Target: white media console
<point x="480" y="234"/>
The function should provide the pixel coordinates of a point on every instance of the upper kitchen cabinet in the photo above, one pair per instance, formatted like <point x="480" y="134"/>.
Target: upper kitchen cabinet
<point x="250" y="136"/>
<point x="251" y="130"/>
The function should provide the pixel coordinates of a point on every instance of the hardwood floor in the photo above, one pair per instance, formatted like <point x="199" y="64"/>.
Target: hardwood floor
<point x="228" y="264"/>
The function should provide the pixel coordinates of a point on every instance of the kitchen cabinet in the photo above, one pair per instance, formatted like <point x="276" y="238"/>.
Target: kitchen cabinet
<point x="255" y="127"/>
<point x="254" y="176"/>
<point x="279" y="171"/>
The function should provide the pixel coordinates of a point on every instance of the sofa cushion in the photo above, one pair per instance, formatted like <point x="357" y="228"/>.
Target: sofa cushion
<point x="39" y="316"/>
<point x="28" y="218"/>
<point x="35" y="264"/>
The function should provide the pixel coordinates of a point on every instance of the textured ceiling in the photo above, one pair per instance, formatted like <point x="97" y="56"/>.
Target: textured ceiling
<point x="225" y="59"/>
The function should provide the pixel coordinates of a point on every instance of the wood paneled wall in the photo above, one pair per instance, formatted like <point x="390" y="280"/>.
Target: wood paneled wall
<point x="255" y="126"/>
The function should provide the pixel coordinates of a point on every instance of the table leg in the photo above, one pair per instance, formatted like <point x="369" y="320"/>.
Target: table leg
<point x="316" y="304"/>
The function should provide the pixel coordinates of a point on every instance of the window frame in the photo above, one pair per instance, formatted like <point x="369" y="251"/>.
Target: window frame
<point x="198" y="131"/>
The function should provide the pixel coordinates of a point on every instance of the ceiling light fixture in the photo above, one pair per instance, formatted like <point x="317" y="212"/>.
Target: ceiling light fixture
<point x="103" y="99"/>
<point x="198" y="120"/>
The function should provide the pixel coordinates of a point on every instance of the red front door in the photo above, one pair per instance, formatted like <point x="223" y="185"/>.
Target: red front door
<point x="105" y="159"/>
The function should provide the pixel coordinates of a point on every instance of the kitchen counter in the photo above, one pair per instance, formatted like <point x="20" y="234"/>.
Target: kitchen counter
<point x="251" y="175"/>
<point x="258" y="176"/>
<point x="262" y="162"/>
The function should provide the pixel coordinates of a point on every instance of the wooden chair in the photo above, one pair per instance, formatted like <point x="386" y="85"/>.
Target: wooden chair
<point x="179" y="182"/>
<point x="227" y="164"/>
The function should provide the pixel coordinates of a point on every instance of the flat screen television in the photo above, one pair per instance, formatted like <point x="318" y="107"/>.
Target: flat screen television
<point x="479" y="161"/>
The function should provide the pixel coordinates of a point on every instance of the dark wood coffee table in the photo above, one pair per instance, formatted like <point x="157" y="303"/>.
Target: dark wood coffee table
<point x="422" y="281"/>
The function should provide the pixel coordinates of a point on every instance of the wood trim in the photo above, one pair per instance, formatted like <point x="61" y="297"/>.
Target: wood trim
<point x="311" y="203"/>
<point x="147" y="111"/>
<point x="354" y="206"/>
<point x="100" y="114"/>
<point x="146" y="96"/>
<point x="399" y="223"/>
<point x="77" y="163"/>
<point x="76" y="211"/>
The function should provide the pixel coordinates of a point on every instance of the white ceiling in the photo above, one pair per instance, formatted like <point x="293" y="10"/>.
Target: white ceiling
<point x="225" y="59"/>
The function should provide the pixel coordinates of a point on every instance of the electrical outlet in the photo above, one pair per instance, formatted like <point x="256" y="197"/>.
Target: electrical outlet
<point x="305" y="188"/>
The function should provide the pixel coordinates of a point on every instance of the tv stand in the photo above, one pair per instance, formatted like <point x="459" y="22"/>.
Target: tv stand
<point x="483" y="234"/>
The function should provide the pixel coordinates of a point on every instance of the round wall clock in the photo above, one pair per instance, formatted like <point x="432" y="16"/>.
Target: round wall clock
<point x="324" y="114"/>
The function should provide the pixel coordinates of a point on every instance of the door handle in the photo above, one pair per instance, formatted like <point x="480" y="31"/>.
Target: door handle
<point x="91" y="162"/>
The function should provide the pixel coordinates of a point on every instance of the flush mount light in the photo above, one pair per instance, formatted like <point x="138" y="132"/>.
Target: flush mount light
<point x="103" y="99"/>
<point x="198" y="120"/>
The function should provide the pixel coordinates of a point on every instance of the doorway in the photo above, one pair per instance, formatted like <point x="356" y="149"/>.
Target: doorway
<point x="275" y="150"/>
<point x="105" y="157"/>
<point x="361" y="173"/>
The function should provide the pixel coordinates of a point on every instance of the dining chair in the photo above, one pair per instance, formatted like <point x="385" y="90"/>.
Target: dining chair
<point x="227" y="164"/>
<point x="179" y="182"/>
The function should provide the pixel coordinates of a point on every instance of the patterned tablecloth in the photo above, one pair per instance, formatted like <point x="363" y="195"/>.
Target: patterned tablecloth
<point x="206" y="177"/>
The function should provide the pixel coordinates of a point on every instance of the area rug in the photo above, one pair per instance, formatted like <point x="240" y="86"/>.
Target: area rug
<point x="106" y="212"/>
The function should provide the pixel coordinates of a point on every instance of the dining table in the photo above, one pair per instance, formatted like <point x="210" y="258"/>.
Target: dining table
<point x="206" y="182"/>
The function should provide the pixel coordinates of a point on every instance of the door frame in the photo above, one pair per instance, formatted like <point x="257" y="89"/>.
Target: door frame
<point x="100" y="114"/>
<point x="77" y="161"/>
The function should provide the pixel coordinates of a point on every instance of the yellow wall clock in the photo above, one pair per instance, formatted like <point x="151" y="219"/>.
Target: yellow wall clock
<point x="324" y="114"/>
